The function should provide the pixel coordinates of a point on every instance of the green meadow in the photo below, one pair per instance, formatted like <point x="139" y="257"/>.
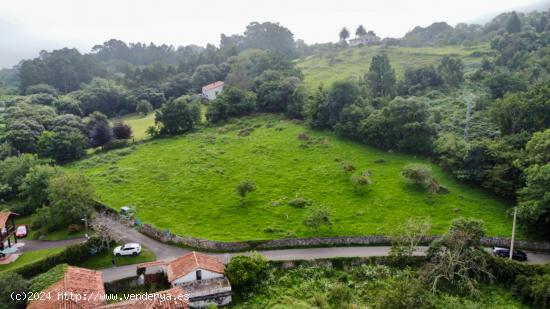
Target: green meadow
<point x="355" y="62"/>
<point x="187" y="184"/>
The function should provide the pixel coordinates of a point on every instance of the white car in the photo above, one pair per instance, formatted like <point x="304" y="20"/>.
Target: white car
<point x="127" y="249"/>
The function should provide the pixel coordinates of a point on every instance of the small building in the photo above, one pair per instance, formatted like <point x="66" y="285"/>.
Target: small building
<point x="174" y="298"/>
<point x="200" y="275"/>
<point x="68" y="292"/>
<point x="367" y="39"/>
<point x="211" y="91"/>
<point x="7" y="228"/>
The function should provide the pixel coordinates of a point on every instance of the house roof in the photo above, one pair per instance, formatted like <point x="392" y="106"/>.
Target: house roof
<point x="78" y="281"/>
<point x="174" y="298"/>
<point x="151" y="264"/>
<point x="4" y="216"/>
<point x="192" y="261"/>
<point x="212" y="86"/>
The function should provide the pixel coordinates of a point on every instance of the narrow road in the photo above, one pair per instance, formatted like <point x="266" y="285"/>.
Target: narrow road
<point x="30" y="245"/>
<point x="168" y="253"/>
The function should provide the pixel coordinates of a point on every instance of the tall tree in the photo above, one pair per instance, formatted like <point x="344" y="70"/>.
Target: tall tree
<point x="360" y="31"/>
<point x="179" y="115"/>
<point x="514" y="23"/>
<point x="381" y="77"/>
<point x="344" y="34"/>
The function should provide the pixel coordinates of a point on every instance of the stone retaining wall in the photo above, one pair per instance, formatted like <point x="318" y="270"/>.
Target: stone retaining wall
<point x="374" y="240"/>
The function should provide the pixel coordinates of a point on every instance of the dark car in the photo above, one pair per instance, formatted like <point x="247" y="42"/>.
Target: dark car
<point x="505" y="253"/>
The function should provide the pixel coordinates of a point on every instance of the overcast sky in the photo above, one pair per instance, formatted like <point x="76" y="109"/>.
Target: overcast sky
<point x="28" y="26"/>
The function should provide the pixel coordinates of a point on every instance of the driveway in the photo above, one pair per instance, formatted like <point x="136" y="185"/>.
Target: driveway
<point x="31" y="245"/>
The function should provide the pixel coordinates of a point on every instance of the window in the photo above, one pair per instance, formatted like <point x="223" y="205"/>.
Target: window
<point x="199" y="274"/>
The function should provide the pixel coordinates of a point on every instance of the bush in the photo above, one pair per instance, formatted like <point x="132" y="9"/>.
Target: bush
<point x="144" y="107"/>
<point x="11" y="282"/>
<point x="246" y="271"/>
<point x="421" y="175"/>
<point x="122" y="130"/>
<point x="115" y="144"/>
<point x="317" y="217"/>
<point x="299" y="202"/>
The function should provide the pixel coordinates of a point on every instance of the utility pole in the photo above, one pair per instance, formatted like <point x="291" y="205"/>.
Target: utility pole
<point x="513" y="232"/>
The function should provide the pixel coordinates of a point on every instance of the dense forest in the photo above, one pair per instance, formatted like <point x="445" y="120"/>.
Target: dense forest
<point x="57" y="105"/>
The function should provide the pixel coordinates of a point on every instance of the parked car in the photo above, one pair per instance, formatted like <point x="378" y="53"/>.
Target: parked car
<point x="127" y="249"/>
<point x="21" y="231"/>
<point x="505" y="253"/>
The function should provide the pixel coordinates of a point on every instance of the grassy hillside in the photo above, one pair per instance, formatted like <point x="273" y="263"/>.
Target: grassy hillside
<point x="139" y="124"/>
<point x="355" y="62"/>
<point x="187" y="184"/>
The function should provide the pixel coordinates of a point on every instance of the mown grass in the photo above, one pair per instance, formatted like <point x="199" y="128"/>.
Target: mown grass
<point x="139" y="124"/>
<point x="105" y="259"/>
<point x="30" y="257"/>
<point x="355" y="62"/>
<point x="187" y="184"/>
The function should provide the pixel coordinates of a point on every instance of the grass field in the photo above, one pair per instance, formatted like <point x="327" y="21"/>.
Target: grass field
<point x="187" y="184"/>
<point x="139" y="124"/>
<point x="104" y="259"/>
<point x="30" y="257"/>
<point x="355" y="62"/>
<point x="55" y="235"/>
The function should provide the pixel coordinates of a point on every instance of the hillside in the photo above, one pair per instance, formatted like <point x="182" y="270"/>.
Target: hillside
<point x="187" y="184"/>
<point x="355" y="62"/>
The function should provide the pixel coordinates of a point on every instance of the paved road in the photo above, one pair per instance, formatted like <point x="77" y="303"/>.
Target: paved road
<point x="29" y="245"/>
<point x="168" y="253"/>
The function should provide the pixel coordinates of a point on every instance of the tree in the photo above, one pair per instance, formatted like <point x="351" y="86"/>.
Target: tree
<point x="64" y="144"/>
<point x="457" y="260"/>
<point x="68" y="105"/>
<point x="11" y="283"/>
<point x="534" y="199"/>
<point x="121" y="130"/>
<point x="269" y="36"/>
<point x="245" y="187"/>
<point x="451" y="71"/>
<point x="178" y="85"/>
<point x="501" y="83"/>
<point x="316" y="217"/>
<point x="41" y="88"/>
<point x="99" y="129"/>
<point x="105" y="96"/>
<point x="360" y="31"/>
<point x="341" y="95"/>
<point x="144" y="107"/>
<point x="178" y="116"/>
<point x="204" y="75"/>
<point x="35" y="184"/>
<point x="514" y="23"/>
<point x="407" y="237"/>
<point x="102" y="227"/>
<point x="381" y="77"/>
<point x="244" y="271"/>
<point x="231" y="102"/>
<point x="71" y="198"/>
<point x="12" y="173"/>
<point x="344" y="34"/>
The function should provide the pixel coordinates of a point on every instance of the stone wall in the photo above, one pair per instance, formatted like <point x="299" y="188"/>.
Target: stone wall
<point x="374" y="240"/>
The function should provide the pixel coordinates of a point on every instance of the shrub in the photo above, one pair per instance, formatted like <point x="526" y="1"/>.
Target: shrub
<point x="11" y="282"/>
<point x="340" y="295"/>
<point x="299" y="202"/>
<point x="144" y="107"/>
<point x="244" y="188"/>
<point x="122" y="130"/>
<point x="115" y="144"/>
<point x="246" y="271"/>
<point x="317" y="217"/>
<point x="347" y="167"/>
<point x="361" y="181"/>
<point x="421" y="175"/>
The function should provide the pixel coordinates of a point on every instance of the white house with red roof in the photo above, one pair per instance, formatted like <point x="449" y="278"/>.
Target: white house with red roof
<point x="201" y="276"/>
<point x="211" y="91"/>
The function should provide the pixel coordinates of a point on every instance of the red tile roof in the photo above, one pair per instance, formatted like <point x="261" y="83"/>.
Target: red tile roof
<point x="192" y="261"/>
<point x="82" y="282"/>
<point x="174" y="298"/>
<point x="212" y="86"/>
<point x="151" y="264"/>
<point x="4" y="216"/>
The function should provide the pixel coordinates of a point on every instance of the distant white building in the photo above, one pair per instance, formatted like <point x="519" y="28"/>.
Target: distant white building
<point x="367" y="39"/>
<point x="211" y="91"/>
